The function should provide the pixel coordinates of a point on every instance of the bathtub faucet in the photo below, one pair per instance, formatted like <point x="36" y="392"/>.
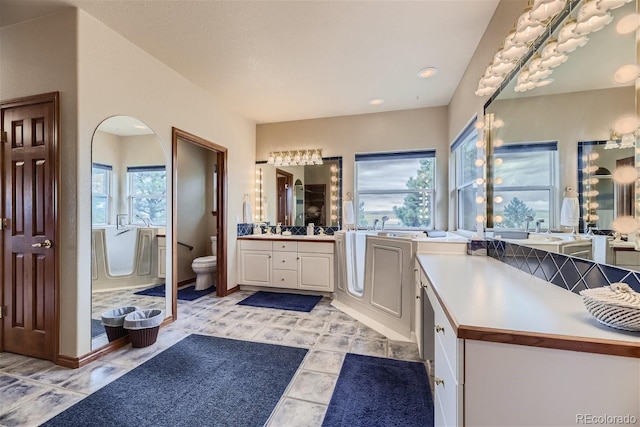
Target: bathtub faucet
<point x="375" y="224"/>
<point x="145" y="219"/>
<point x="384" y="219"/>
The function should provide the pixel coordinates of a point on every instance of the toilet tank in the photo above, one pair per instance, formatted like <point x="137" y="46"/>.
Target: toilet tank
<point x="214" y="245"/>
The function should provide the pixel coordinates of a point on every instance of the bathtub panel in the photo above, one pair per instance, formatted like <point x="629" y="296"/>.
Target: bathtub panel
<point x="386" y="279"/>
<point x="144" y="252"/>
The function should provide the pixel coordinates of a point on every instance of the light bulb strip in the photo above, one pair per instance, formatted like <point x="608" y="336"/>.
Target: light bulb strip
<point x="295" y="157"/>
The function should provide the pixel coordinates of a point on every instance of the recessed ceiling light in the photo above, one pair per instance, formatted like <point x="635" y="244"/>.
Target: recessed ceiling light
<point x="425" y="73"/>
<point x="376" y="101"/>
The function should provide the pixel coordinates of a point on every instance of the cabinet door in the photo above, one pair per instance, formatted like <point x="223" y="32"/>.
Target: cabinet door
<point x="315" y="271"/>
<point x="255" y="268"/>
<point x="162" y="257"/>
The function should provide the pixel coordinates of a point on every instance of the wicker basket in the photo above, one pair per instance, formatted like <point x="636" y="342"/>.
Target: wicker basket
<point x="617" y="306"/>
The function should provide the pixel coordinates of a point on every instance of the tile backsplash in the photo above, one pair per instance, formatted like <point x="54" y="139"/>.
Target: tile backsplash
<point x="246" y="229"/>
<point x="571" y="273"/>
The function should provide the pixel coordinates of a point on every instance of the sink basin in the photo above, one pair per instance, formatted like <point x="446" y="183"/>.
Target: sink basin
<point x="544" y="238"/>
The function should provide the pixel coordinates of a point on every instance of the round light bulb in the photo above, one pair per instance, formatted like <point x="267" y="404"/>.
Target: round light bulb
<point x="479" y="199"/>
<point x="625" y="224"/>
<point x="594" y="155"/>
<point x="498" y="123"/>
<point x="479" y="125"/>
<point x="498" y="161"/>
<point x="479" y="162"/>
<point x="480" y="143"/>
<point x="479" y="181"/>
<point x="627" y="124"/>
<point x="480" y="218"/>
<point x="628" y="24"/>
<point x="497" y="199"/>
<point x="498" y="142"/>
<point x="498" y="219"/>
<point x="498" y="180"/>
<point x="625" y="175"/>
<point x="627" y="73"/>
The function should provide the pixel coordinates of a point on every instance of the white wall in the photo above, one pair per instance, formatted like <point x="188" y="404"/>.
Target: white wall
<point x="101" y="74"/>
<point x="424" y="128"/>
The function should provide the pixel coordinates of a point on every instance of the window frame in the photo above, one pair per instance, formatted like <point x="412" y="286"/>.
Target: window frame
<point x="397" y="155"/>
<point x="552" y="188"/>
<point x="469" y="135"/>
<point x="106" y="195"/>
<point x="131" y="196"/>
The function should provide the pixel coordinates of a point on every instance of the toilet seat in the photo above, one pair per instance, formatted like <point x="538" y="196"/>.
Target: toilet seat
<point x="205" y="261"/>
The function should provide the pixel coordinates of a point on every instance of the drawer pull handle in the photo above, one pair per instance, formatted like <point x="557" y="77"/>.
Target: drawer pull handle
<point x="283" y="261"/>
<point x="282" y="280"/>
<point x="417" y="296"/>
<point x="439" y="381"/>
<point x="283" y="246"/>
<point x="439" y="328"/>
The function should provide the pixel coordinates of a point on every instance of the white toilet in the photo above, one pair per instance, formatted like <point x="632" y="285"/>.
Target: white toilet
<point x="205" y="268"/>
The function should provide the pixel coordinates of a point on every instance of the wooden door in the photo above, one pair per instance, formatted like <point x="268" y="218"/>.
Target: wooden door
<point x="624" y="192"/>
<point x="284" y="207"/>
<point x="29" y="271"/>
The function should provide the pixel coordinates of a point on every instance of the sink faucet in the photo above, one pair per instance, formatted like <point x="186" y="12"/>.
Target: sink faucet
<point x="145" y="219"/>
<point x="527" y="220"/>
<point x="384" y="219"/>
<point x="538" y="222"/>
<point x="375" y="224"/>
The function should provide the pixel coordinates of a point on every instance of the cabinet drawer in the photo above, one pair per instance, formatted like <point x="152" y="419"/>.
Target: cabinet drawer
<point x="256" y="245"/>
<point x="285" y="260"/>
<point x="315" y="247"/>
<point x="285" y="246"/>
<point x="447" y="390"/>
<point x="285" y="279"/>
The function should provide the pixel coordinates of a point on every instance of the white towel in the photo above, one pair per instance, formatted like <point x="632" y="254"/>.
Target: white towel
<point x="348" y="217"/>
<point x="570" y="212"/>
<point x="247" y="212"/>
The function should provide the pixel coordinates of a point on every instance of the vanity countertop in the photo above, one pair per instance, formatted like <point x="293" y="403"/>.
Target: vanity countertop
<point x="295" y="238"/>
<point x="488" y="300"/>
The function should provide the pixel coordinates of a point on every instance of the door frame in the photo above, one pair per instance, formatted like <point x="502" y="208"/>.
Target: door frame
<point x="54" y="98"/>
<point x="221" y="215"/>
<point x="288" y="199"/>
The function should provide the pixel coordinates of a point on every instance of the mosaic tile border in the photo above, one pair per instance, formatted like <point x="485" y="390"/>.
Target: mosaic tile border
<point x="246" y="229"/>
<point x="567" y="272"/>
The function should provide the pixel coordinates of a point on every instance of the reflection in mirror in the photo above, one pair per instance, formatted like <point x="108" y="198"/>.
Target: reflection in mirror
<point x="580" y="100"/>
<point x="300" y="195"/>
<point x="128" y="214"/>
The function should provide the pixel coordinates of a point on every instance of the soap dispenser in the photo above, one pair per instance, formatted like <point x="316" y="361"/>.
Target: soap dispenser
<point x="310" y="229"/>
<point x="279" y="228"/>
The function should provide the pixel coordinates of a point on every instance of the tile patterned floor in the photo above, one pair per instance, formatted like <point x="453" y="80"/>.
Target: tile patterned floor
<point x="32" y="391"/>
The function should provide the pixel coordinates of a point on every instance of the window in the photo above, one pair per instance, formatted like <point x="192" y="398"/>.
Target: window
<point x="397" y="185"/>
<point x="100" y="191"/>
<point x="465" y="154"/>
<point x="148" y="193"/>
<point x="528" y="183"/>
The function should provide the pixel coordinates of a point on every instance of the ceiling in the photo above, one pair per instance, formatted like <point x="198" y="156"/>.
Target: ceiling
<point x="275" y="61"/>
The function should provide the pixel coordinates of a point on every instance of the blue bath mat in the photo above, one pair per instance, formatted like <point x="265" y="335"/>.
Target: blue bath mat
<point x="199" y="381"/>
<point x="186" y="294"/>
<point x="282" y="301"/>
<point x="373" y="391"/>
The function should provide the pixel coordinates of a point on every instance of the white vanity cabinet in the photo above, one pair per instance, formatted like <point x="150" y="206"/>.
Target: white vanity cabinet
<point x="315" y="266"/>
<point x="495" y="365"/>
<point x="255" y="262"/>
<point x="286" y="264"/>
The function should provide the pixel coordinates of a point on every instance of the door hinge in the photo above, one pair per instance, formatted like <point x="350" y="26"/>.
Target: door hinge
<point x="3" y="223"/>
<point x="1" y="311"/>
<point x="3" y="136"/>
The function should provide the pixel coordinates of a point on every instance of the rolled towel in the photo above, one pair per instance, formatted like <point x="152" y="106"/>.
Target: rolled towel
<point x="348" y="216"/>
<point x="247" y="212"/>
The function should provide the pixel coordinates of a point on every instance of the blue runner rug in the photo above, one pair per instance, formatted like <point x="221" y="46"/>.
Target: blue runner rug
<point x="185" y="294"/>
<point x="373" y="391"/>
<point x="282" y="301"/>
<point x="96" y="328"/>
<point x="200" y="381"/>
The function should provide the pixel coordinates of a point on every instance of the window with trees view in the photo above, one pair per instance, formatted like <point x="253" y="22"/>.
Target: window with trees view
<point x="528" y="183"/>
<point x="148" y="194"/>
<point x="465" y="154"/>
<point x="397" y="185"/>
<point x="100" y="192"/>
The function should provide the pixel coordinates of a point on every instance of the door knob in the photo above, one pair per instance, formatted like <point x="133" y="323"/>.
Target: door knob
<point x="46" y="244"/>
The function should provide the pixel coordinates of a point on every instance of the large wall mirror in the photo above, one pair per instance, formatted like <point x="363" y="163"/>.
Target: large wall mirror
<point x="128" y="216"/>
<point x="299" y="195"/>
<point x="566" y="135"/>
